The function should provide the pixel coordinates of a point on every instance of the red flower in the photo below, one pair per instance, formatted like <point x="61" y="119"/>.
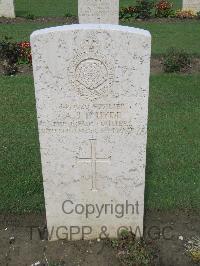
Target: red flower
<point x="25" y="52"/>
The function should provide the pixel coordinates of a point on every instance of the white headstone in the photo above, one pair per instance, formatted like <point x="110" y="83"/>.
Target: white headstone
<point x="7" y="9"/>
<point x="191" y="4"/>
<point x="98" y="11"/>
<point x="92" y="87"/>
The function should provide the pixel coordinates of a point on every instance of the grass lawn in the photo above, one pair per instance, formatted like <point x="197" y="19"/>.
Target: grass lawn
<point x="183" y="35"/>
<point x="180" y="34"/>
<point x="45" y="8"/>
<point x="20" y="171"/>
<point x="173" y="164"/>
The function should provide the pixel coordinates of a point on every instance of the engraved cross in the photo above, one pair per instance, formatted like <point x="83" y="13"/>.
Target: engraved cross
<point x="93" y="160"/>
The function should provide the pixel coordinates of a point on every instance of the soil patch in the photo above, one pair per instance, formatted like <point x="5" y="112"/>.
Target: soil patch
<point x="161" y="20"/>
<point x="157" y="66"/>
<point x="56" y="20"/>
<point x="167" y="232"/>
<point x="74" y="19"/>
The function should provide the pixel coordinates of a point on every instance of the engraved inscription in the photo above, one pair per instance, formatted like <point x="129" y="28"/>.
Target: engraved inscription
<point x="93" y="160"/>
<point x="91" y="73"/>
<point x="93" y="118"/>
<point x="99" y="11"/>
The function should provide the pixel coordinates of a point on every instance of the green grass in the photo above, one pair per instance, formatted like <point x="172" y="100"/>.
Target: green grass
<point x="21" y="31"/>
<point x="45" y="8"/>
<point x="20" y="170"/>
<point x="173" y="164"/>
<point x="180" y="34"/>
<point x="183" y="35"/>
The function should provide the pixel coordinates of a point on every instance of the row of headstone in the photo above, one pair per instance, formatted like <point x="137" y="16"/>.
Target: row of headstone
<point x="93" y="11"/>
<point x="92" y="87"/>
<point x="7" y="9"/>
<point x="191" y="4"/>
<point x="105" y="11"/>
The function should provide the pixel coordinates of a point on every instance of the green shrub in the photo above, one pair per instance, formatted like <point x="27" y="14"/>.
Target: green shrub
<point x="9" y="54"/>
<point x="127" y="12"/>
<point x="30" y="16"/>
<point x="143" y="8"/>
<point x="198" y="15"/>
<point x="68" y="15"/>
<point x="9" y="51"/>
<point x="176" y="60"/>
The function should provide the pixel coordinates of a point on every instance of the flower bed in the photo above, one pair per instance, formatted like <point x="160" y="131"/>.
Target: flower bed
<point x="145" y="9"/>
<point x="13" y="54"/>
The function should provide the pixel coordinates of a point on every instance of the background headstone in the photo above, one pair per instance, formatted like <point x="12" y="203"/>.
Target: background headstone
<point x="98" y="11"/>
<point x="191" y="4"/>
<point x="7" y="9"/>
<point x="92" y="86"/>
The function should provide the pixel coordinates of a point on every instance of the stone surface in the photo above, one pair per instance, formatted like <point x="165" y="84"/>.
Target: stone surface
<point x="7" y="8"/>
<point x="191" y="4"/>
<point x="92" y="86"/>
<point x="98" y="11"/>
